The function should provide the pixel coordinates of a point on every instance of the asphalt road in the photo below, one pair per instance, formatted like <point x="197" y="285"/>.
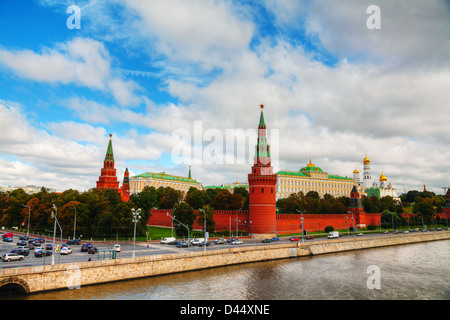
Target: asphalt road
<point x="153" y="248"/>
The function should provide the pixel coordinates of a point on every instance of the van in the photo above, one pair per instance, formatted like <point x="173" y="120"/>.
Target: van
<point x="168" y="240"/>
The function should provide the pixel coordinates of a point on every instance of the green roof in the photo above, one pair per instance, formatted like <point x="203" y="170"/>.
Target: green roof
<point x="165" y="176"/>
<point x="109" y="153"/>
<point x="292" y="173"/>
<point x="301" y="174"/>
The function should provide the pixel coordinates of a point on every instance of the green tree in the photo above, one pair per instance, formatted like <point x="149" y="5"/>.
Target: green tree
<point x="195" y="198"/>
<point x="210" y="223"/>
<point x="185" y="214"/>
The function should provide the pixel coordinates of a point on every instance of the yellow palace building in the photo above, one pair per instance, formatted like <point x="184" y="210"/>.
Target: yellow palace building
<point x="162" y="179"/>
<point x="312" y="178"/>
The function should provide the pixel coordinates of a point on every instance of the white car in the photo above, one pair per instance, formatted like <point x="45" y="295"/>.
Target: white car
<point x="65" y="250"/>
<point x="12" y="256"/>
<point x="117" y="247"/>
<point x="237" y="242"/>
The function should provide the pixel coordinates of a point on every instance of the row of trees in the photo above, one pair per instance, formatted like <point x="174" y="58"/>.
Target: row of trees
<point x="312" y="203"/>
<point x="99" y="213"/>
<point x="102" y="213"/>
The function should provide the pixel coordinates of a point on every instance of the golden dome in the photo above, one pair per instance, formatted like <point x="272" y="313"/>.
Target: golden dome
<point x="356" y="171"/>
<point x="310" y="164"/>
<point x="366" y="160"/>
<point x="383" y="177"/>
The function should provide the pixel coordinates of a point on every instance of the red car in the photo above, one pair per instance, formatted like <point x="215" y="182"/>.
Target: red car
<point x="309" y="237"/>
<point x="294" y="239"/>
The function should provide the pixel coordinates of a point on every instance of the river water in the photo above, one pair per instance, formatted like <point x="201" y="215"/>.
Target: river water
<point x="407" y="272"/>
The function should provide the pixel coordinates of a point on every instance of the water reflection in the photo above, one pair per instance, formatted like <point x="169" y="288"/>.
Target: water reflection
<point x="416" y="271"/>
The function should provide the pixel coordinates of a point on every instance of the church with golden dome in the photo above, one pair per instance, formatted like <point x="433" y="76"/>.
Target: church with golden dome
<point x="370" y="189"/>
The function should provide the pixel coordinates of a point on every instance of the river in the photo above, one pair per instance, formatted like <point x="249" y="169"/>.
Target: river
<point x="407" y="272"/>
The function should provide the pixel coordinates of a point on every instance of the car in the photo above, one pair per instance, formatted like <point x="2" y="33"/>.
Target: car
<point x="21" y="243"/>
<point x="48" y="246"/>
<point x="73" y="241"/>
<point x="359" y="234"/>
<point x="7" y="239"/>
<point x="36" y="243"/>
<point x="21" y="252"/>
<point x="92" y="250"/>
<point x="438" y="229"/>
<point x="266" y="241"/>
<point x="406" y="231"/>
<point x="201" y="244"/>
<point x="237" y="242"/>
<point x="65" y="250"/>
<point x="309" y="237"/>
<point x="294" y="238"/>
<point x="117" y="247"/>
<point x="23" y="238"/>
<point x="231" y="240"/>
<point x="12" y="257"/>
<point x="196" y="242"/>
<point x="173" y="243"/>
<point x="40" y="240"/>
<point x="31" y="246"/>
<point x="220" y="241"/>
<point x="42" y="253"/>
<point x="275" y="239"/>
<point x="182" y="244"/>
<point x="85" y="247"/>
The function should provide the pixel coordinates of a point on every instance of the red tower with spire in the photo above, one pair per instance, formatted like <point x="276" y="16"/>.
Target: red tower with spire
<point x="446" y="208"/>
<point x="125" y="189"/>
<point x="108" y="177"/>
<point x="355" y="207"/>
<point x="262" y="182"/>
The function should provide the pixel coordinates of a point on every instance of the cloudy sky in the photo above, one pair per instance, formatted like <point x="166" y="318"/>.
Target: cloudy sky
<point x="171" y="79"/>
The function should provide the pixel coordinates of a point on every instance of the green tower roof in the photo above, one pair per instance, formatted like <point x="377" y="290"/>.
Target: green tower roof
<point x="109" y="153"/>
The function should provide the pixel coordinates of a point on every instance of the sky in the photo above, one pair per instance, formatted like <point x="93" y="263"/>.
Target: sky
<point x="179" y="83"/>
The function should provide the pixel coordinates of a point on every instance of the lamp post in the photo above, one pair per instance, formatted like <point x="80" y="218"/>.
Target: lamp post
<point x="423" y="224"/>
<point x="54" y="214"/>
<point x="75" y="223"/>
<point x="204" y="228"/>
<point x="29" y="214"/>
<point x="136" y="218"/>
<point x="301" y="221"/>
<point x="173" y="218"/>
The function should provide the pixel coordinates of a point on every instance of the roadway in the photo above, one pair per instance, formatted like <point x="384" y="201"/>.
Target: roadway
<point x="141" y="249"/>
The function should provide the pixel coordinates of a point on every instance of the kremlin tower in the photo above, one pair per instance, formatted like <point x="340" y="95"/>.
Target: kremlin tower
<point x="262" y="182"/>
<point x="108" y="179"/>
<point x="446" y="208"/>
<point x="355" y="207"/>
<point x="367" y="176"/>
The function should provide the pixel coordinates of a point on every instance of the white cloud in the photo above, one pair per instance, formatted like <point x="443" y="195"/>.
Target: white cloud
<point x="81" y="61"/>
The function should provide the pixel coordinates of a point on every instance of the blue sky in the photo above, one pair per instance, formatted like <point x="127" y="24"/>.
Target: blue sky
<point x="144" y="70"/>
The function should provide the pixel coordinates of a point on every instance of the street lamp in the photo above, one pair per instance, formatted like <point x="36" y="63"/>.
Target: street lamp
<point x="423" y="224"/>
<point x="301" y="221"/>
<point x="75" y="223"/>
<point x="136" y="218"/>
<point x="204" y="232"/>
<point x="29" y="214"/>
<point x="173" y="218"/>
<point x="54" y="214"/>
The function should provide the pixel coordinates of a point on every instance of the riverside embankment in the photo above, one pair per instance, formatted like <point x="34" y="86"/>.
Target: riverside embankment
<point x="69" y="276"/>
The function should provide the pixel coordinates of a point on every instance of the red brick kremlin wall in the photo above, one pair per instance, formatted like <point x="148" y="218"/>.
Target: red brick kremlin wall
<point x="286" y="223"/>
